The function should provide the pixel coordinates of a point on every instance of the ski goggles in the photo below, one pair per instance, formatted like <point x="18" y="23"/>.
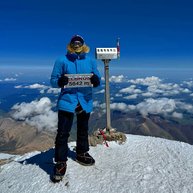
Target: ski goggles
<point x="76" y="44"/>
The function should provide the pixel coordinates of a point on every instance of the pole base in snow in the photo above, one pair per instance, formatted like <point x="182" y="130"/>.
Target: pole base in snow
<point x="102" y="135"/>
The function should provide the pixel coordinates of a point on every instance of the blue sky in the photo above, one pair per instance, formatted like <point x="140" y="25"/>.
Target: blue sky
<point x="153" y="33"/>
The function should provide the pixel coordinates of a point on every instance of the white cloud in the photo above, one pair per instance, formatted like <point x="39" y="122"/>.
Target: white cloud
<point x="156" y="106"/>
<point x="18" y="86"/>
<point x="185" y="106"/>
<point x="102" y="78"/>
<point x="166" y="89"/>
<point x="119" y="106"/>
<point x="148" y="94"/>
<point x="33" y="86"/>
<point x="146" y="81"/>
<point x="101" y="91"/>
<point x="37" y="113"/>
<point x="96" y="103"/>
<point x="131" y="89"/>
<point x="131" y="107"/>
<point x="8" y="79"/>
<point x="177" y="115"/>
<point x="116" y="79"/>
<point x="188" y="83"/>
<point x="114" y="106"/>
<point x="118" y="95"/>
<point x="155" y="87"/>
<point x="186" y="90"/>
<point x="102" y="106"/>
<point x="122" y="107"/>
<point x="43" y="88"/>
<point x="46" y="120"/>
<point x="133" y="96"/>
<point x="53" y="90"/>
<point x="163" y="106"/>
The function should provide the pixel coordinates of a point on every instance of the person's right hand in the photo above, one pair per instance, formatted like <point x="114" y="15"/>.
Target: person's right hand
<point x="95" y="80"/>
<point x="62" y="81"/>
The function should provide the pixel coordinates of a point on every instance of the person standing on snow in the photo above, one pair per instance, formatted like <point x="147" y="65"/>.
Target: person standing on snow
<point x="73" y="100"/>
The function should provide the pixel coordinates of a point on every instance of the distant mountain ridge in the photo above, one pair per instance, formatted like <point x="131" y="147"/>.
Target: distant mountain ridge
<point x="17" y="137"/>
<point x="151" y="125"/>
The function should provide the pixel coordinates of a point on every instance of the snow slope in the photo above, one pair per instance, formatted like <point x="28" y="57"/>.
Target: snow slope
<point x="141" y="165"/>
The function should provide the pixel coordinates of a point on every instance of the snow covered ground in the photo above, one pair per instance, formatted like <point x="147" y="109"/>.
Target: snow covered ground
<point x="141" y="165"/>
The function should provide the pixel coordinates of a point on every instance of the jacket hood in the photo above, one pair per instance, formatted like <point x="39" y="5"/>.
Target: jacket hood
<point x="85" y="49"/>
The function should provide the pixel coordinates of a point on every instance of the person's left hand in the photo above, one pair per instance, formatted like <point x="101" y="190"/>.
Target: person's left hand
<point x="95" y="80"/>
<point x="62" y="81"/>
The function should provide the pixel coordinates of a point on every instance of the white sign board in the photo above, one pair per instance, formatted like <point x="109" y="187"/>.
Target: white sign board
<point x="78" y="80"/>
<point x="106" y="53"/>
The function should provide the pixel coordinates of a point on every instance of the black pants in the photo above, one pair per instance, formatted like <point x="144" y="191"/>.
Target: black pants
<point x="65" y="120"/>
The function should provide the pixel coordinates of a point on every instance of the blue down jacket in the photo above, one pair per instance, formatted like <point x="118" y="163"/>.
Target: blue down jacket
<point x="70" y="97"/>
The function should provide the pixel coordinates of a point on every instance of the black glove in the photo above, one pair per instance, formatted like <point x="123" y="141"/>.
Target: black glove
<point x="95" y="80"/>
<point x="63" y="80"/>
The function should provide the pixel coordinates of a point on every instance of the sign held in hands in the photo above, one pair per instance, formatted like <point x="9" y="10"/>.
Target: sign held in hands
<point x="78" y="80"/>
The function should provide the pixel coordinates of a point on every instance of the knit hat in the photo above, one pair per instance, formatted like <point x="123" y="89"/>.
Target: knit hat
<point x="77" y="38"/>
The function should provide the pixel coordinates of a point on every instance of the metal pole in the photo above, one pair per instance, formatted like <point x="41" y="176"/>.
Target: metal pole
<point x="107" y="94"/>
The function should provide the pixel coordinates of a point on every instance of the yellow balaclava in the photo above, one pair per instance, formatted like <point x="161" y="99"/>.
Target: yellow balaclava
<point x="82" y="49"/>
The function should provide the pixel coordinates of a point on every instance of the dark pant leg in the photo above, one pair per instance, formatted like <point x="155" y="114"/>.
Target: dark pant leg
<point x="65" y="120"/>
<point x="82" y="144"/>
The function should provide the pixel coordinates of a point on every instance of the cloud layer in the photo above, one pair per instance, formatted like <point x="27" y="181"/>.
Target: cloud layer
<point x="37" y="113"/>
<point x="149" y="95"/>
<point x="153" y="96"/>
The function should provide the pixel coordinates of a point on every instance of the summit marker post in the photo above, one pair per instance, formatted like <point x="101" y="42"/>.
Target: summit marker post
<point x="106" y="55"/>
<point x="108" y="133"/>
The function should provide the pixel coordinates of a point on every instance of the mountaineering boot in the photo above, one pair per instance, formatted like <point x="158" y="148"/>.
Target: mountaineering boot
<point x="59" y="171"/>
<point x="85" y="159"/>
